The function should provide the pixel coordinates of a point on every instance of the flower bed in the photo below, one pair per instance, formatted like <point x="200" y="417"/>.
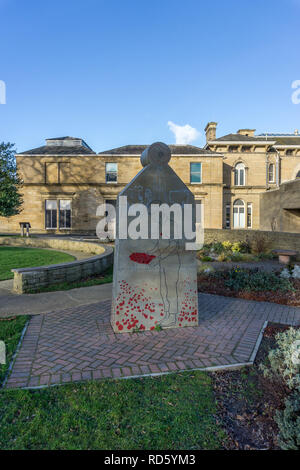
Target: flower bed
<point x="256" y="250"/>
<point x="251" y="284"/>
<point x="256" y="406"/>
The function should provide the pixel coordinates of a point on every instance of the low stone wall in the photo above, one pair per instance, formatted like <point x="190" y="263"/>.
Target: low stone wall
<point x="31" y="279"/>
<point x="63" y="244"/>
<point x="278" y="240"/>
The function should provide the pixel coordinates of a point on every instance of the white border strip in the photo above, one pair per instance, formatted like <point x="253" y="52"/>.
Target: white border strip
<point x="258" y="341"/>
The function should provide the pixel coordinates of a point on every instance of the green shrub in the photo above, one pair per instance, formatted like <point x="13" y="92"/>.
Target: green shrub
<point x="217" y="247"/>
<point x="288" y="422"/>
<point x="236" y="256"/>
<point x="237" y="247"/>
<point x="265" y="256"/>
<point x="247" y="257"/>
<point x="282" y="362"/>
<point x="205" y="258"/>
<point x="239" y="279"/>
<point x="227" y="245"/>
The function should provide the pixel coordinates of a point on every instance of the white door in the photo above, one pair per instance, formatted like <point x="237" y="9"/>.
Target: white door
<point x="239" y="214"/>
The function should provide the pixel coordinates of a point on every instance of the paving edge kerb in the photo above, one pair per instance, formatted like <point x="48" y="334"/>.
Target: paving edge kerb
<point x="13" y="359"/>
<point x="234" y="366"/>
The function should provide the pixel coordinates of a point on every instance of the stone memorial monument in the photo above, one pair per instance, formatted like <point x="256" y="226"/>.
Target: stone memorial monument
<point x="155" y="277"/>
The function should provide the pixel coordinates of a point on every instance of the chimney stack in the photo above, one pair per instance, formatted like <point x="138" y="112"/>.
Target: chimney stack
<point x="211" y="131"/>
<point x="246" y="132"/>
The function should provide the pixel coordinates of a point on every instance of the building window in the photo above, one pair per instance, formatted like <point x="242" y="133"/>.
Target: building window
<point x="249" y="215"/>
<point x="51" y="213"/>
<point x="289" y="152"/>
<point x="111" y="172"/>
<point x="233" y="148"/>
<point x="195" y="172"/>
<point x="271" y="172"/>
<point x="239" y="214"/>
<point x="298" y="174"/>
<point x="239" y="174"/>
<point x="227" y="216"/>
<point x="64" y="214"/>
<point x="246" y="148"/>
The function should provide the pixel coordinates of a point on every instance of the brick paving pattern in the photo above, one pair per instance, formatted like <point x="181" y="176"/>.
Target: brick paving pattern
<point x="79" y="344"/>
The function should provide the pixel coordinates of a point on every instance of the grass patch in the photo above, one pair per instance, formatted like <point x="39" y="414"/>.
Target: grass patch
<point x="10" y="333"/>
<point x="19" y="257"/>
<point x="168" y="412"/>
<point x="104" y="278"/>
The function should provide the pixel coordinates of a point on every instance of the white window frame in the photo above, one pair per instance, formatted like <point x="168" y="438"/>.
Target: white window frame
<point x="196" y="172"/>
<point x="46" y="210"/>
<point x="249" y="206"/>
<point x="60" y="210"/>
<point x="271" y="165"/>
<point x="111" y="172"/>
<point x="238" y="170"/>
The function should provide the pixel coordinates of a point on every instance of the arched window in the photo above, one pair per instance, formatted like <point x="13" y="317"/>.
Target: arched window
<point x="239" y="174"/>
<point x="239" y="214"/>
<point x="271" y="173"/>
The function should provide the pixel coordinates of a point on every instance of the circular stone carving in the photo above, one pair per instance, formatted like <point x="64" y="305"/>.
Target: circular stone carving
<point x="157" y="154"/>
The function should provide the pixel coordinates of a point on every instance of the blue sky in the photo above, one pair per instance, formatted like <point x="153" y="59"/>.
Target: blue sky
<point x="115" y="72"/>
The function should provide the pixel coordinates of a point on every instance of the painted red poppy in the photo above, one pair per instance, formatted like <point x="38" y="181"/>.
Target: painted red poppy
<point x="141" y="258"/>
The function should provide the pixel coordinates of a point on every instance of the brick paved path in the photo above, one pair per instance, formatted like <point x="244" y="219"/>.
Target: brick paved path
<point x="79" y="344"/>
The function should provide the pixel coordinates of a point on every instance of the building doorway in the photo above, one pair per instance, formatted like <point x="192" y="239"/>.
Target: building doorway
<point x="239" y="214"/>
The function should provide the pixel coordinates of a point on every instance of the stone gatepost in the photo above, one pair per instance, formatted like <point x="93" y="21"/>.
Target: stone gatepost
<point x="155" y="277"/>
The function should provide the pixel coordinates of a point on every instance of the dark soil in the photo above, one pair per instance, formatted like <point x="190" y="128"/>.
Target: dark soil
<point x="247" y="401"/>
<point x="213" y="285"/>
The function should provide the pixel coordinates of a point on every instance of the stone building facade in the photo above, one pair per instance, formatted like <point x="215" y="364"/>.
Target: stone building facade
<point x="65" y="180"/>
<point x="254" y="165"/>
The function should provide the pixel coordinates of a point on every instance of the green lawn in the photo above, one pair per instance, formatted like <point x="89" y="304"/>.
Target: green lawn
<point x="15" y="257"/>
<point x="168" y="412"/>
<point x="10" y="332"/>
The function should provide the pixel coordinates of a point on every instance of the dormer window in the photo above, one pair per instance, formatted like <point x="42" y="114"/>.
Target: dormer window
<point x="239" y="174"/>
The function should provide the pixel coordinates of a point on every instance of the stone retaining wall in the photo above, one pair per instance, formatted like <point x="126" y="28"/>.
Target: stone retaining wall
<point x="31" y="279"/>
<point x="278" y="240"/>
<point x="63" y="244"/>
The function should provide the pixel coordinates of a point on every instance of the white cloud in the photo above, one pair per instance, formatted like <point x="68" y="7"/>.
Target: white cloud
<point x="183" y="134"/>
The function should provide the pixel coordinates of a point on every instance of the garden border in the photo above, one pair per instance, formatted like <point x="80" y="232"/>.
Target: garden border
<point x="32" y="279"/>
